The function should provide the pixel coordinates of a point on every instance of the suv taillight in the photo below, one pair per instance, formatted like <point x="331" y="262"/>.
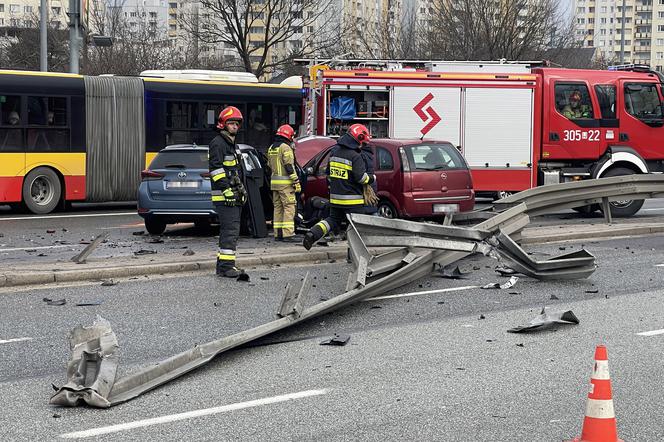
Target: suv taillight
<point x="404" y="160"/>
<point x="206" y="175"/>
<point x="148" y="175"/>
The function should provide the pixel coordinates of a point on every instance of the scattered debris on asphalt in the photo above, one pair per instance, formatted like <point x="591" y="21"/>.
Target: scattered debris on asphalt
<point x="375" y="306"/>
<point x="145" y="252"/>
<point x="108" y="283"/>
<point x="264" y="278"/>
<point x="89" y="303"/>
<point x="138" y="233"/>
<point x="505" y="271"/>
<point x="189" y="253"/>
<point x="50" y="301"/>
<point x="545" y="320"/>
<point x="506" y="285"/>
<point x="482" y="317"/>
<point x="243" y="277"/>
<point x="154" y="240"/>
<point x="337" y="339"/>
<point x="450" y="273"/>
<point x="554" y="298"/>
<point x="592" y="291"/>
<point x="50" y="231"/>
<point x="57" y="416"/>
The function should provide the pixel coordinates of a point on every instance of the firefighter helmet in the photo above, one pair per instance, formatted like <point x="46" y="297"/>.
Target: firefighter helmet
<point x="360" y="133"/>
<point x="230" y="113"/>
<point x="286" y="131"/>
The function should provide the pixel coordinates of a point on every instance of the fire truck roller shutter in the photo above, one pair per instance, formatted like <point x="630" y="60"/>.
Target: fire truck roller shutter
<point x="115" y="137"/>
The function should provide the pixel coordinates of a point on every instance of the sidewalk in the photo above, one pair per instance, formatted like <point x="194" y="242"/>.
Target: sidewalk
<point x="98" y="269"/>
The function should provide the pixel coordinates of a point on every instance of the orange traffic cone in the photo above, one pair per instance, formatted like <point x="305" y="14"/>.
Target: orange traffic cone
<point x="599" y="424"/>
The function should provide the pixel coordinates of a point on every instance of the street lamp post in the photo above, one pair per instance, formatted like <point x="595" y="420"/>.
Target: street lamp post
<point x="43" y="36"/>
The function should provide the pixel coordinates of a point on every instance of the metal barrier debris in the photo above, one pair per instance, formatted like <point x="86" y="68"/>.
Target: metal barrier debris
<point x="410" y="251"/>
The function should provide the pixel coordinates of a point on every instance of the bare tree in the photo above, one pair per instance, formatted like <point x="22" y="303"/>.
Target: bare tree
<point x="494" y="29"/>
<point x="137" y="45"/>
<point x="19" y="46"/>
<point x="265" y="35"/>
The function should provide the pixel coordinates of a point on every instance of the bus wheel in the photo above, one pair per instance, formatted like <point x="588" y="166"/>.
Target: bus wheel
<point x="41" y="190"/>
<point x="626" y="208"/>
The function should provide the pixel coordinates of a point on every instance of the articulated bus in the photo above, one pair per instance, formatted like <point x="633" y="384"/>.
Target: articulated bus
<point x="66" y="137"/>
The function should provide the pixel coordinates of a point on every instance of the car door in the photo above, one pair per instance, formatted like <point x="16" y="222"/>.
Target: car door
<point x="641" y="124"/>
<point x="316" y="175"/>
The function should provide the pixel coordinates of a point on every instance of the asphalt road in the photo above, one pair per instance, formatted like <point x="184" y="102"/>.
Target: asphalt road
<point x="418" y="367"/>
<point x="59" y="236"/>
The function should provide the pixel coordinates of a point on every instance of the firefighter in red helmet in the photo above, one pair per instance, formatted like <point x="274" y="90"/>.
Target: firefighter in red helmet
<point x="228" y="193"/>
<point x="284" y="183"/>
<point x="347" y="175"/>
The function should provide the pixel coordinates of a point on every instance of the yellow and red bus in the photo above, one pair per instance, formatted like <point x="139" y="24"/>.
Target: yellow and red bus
<point x="66" y="137"/>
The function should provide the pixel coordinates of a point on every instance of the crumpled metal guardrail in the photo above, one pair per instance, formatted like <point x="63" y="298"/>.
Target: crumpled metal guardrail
<point x="91" y="370"/>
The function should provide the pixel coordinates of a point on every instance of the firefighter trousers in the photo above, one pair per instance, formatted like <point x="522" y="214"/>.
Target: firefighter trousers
<point x="336" y="219"/>
<point x="284" y="212"/>
<point x="229" y="231"/>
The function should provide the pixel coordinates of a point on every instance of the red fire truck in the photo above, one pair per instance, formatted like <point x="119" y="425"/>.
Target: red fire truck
<point x="518" y="126"/>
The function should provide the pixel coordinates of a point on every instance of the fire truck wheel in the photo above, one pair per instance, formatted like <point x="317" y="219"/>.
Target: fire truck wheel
<point x="387" y="210"/>
<point x="627" y="208"/>
<point x="41" y="190"/>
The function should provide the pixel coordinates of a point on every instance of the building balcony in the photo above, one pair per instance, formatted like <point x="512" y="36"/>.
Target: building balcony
<point x="643" y="21"/>
<point x="644" y="8"/>
<point x="642" y="35"/>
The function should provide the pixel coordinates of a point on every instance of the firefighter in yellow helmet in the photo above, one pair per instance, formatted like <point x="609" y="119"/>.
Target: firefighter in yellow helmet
<point x="284" y="183"/>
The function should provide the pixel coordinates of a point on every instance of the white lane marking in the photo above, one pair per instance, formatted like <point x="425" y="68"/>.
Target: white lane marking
<point x="6" y="341"/>
<point x="659" y="265"/>
<point x="18" y="249"/>
<point x="652" y="332"/>
<point x="86" y="215"/>
<point x="191" y="414"/>
<point x="428" y="292"/>
<point x="653" y="210"/>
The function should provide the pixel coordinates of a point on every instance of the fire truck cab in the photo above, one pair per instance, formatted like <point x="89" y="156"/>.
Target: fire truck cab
<point x="517" y="125"/>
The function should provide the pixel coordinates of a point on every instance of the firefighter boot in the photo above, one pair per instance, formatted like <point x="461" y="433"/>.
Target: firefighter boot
<point x="309" y="240"/>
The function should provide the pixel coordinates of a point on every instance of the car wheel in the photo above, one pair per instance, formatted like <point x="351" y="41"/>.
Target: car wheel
<point x="626" y="208"/>
<point x="387" y="210"/>
<point x="503" y="194"/>
<point x="155" y="226"/>
<point x="41" y="190"/>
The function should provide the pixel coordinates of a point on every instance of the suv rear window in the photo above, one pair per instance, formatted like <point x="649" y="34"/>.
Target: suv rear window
<point x="188" y="159"/>
<point x="434" y="157"/>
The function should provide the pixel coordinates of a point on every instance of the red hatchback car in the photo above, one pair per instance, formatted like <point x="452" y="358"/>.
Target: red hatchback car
<point x="416" y="178"/>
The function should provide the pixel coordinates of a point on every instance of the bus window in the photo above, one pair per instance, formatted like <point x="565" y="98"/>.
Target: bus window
<point x="10" y="110"/>
<point x="288" y="115"/>
<point x="48" y="112"/>
<point x="258" y="129"/>
<point x="181" y="121"/>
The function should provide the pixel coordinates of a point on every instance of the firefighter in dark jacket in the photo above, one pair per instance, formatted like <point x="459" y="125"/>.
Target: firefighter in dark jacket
<point x="370" y="207"/>
<point x="347" y="176"/>
<point x="228" y="194"/>
<point x="284" y="183"/>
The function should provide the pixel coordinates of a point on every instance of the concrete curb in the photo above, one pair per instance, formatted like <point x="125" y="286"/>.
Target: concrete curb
<point x="17" y="278"/>
<point x="13" y="279"/>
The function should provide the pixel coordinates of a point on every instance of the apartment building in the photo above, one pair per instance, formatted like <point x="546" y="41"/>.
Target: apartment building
<point x="25" y="13"/>
<point x="600" y="25"/>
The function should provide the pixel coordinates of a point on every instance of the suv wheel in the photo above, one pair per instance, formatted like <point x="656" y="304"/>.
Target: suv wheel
<point x="387" y="210"/>
<point x="155" y="226"/>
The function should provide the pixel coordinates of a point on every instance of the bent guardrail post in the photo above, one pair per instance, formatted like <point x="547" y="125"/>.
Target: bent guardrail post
<point x="291" y="304"/>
